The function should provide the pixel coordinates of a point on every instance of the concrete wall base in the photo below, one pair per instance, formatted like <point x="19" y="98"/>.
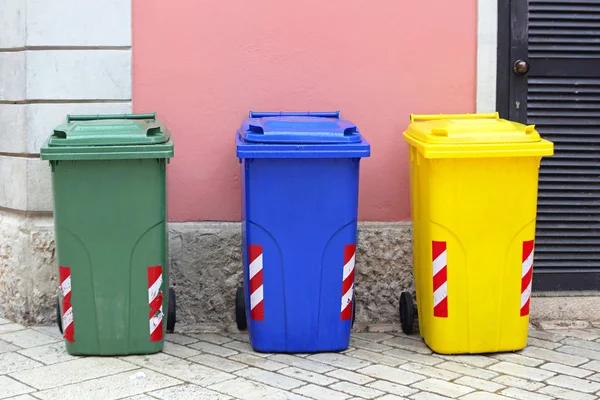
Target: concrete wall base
<point x="206" y="269"/>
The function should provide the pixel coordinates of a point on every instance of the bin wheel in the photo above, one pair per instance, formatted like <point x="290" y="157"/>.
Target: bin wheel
<point x="58" y="316"/>
<point x="240" y="310"/>
<point x="353" y="310"/>
<point x="407" y="313"/>
<point x="171" y="313"/>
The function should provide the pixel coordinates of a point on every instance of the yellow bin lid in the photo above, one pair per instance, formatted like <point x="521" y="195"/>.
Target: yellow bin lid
<point x="474" y="135"/>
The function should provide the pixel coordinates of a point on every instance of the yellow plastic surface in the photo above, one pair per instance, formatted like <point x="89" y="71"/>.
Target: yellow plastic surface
<point x="474" y="135"/>
<point x="483" y="206"/>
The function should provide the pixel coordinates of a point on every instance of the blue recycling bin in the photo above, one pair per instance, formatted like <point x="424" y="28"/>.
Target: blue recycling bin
<point x="299" y="175"/>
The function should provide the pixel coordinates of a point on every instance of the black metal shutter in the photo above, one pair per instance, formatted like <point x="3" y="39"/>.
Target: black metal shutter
<point x="563" y="101"/>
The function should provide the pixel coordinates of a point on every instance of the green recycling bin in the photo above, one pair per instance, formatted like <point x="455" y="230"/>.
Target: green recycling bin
<point x="109" y="186"/>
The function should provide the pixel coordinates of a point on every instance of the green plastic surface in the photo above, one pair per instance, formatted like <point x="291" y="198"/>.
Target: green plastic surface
<point x="105" y="137"/>
<point x="111" y="227"/>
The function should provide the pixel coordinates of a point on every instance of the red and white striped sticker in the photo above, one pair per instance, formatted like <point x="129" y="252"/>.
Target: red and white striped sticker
<point x="155" y="299"/>
<point x="64" y="275"/>
<point x="526" y="276"/>
<point x="257" y="304"/>
<point x="440" y="280"/>
<point x="348" y="281"/>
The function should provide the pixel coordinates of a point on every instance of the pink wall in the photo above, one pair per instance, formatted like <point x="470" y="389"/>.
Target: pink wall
<point x="202" y="64"/>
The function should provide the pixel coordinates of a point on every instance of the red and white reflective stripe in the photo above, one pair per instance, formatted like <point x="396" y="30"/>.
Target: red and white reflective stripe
<point x="348" y="281"/>
<point x="257" y="304"/>
<point x="155" y="296"/>
<point x="526" y="276"/>
<point x="64" y="275"/>
<point x="440" y="280"/>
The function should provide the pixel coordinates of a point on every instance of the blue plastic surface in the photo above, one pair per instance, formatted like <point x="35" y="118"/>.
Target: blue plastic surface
<point x="299" y="209"/>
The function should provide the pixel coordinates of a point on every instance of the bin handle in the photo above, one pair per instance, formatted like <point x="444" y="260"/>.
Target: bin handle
<point x="323" y="114"/>
<point x="70" y="117"/>
<point x="431" y="117"/>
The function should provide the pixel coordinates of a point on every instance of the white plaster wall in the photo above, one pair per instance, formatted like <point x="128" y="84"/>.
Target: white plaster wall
<point x="487" y="40"/>
<point x="56" y="57"/>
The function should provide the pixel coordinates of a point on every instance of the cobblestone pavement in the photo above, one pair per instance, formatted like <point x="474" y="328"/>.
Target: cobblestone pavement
<point x="380" y="364"/>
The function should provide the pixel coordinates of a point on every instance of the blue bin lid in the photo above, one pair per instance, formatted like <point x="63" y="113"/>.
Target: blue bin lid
<point x="298" y="128"/>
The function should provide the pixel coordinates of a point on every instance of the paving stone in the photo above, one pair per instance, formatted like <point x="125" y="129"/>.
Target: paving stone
<point x="521" y="394"/>
<point x="566" y="370"/>
<point x="479" y="384"/>
<point x="443" y="388"/>
<point x="553" y="356"/>
<point x="391" y="374"/>
<point x="179" y="368"/>
<point x="549" y="336"/>
<point x="428" y="396"/>
<point x="408" y="344"/>
<point x="391" y="397"/>
<point x="349" y="376"/>
<point x="240" y="337"/>
<point x="563" y="325"/>
<point x="213" y="349"/>
<point x="368" y="345"/>
<point x="5" y="328"/>
<point x="28" y="338"/>
<point x="578" y="351"/>
<point x="307" y="376"/>
<point x="13" y="362"/>
<point x="217" y="362"/>
<point x="470" y="359"/>
<point x="595" y="377"/>
<point x="413" y="357"/>
<point x="319" y="393"/>
<point x="244" y="348"/>
<point x="339" y="360"/>
<point x="11" y="388"/>
<point x="586" y="344"/>
<point x="260" y="362"/>
<point x="545" y="344"/>
<point x="178" y="350"/>
<point x="484" y="396"/>
<point x="270" y="378"/>
<point x="588" y="334"/>
<point x="74" y="371"/>
<point x="245" y="389"/>
<point x="384" y="328"/>
<point x="300" y="362"/>
<point x="111" y="387"/>
<point x="4" y="321"/>
<point x="52" y="353"/>
<point x="377" y="358"/>
<point x="187" y="392"/>
<point x="356" y="390"/>
<point x="463" y="369"/>
<point x="534" y="374"/>
<point x="570" y="382"/>
<point x="212" y="338"/>
<point x="178" y="338"/>
<point x="566" y="394"/>
<point x="6" y="347"/>
<point x="432" y="372"/>
<point x="399" y="390"/>
<point x="372" y="336"/>
<point x="49" y="330"/>
<point x="140" y="397"/>
<point x="513" y="381"/>
<point x="592" y="365"/>
<point x="518" y="359"/>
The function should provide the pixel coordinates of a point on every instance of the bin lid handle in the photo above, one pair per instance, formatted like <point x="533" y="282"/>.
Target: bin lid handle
<point x="323" y="114"/>
<point x="431" y="117"/>
<point x="70" y="117"/>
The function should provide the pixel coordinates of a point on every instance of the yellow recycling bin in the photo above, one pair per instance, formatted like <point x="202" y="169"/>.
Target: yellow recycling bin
<point x="474" y="182"/>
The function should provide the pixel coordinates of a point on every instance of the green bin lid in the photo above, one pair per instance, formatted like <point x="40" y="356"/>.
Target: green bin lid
<point x="108" y="137"/>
